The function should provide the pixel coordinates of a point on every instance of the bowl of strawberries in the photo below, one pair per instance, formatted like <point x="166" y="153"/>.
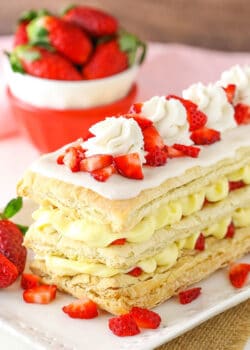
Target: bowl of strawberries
<point x="68" y="72"/>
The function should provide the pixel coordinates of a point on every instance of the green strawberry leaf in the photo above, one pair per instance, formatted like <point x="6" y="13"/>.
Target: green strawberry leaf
<point x="12" y="207"/>
<point x="67" y="9"/>
<point x="22" y="228"/>
<point x="133" y="46"/>
<point x="30" y="56"/>
<point x="36" y="32"/>
<point x="15" y="63"/>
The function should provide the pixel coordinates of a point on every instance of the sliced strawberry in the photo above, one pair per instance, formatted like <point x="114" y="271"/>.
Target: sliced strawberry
<point x="42" y="294"/>
<point x="141" y="121"/>
<point x="104" y="173"/>
<point x="136" y="108"/>
<point x="238" y="274"/>
<point x="242" y="113"/>
<point x="235" y="185"/>
<point x="205" y="136"/>
<point x="119" y="241"/>
<point x="60" y="159"/>
<point x="157" y="157"/>
<point x="230" y="230"/>
<point x="8" y="272"/>
<point x="145" y="318"/>
<point x="152" y="139"/>
<point x="29" y="281"/>
<point x="72" y="159"/>
<point x="123" y="326"/>
<point x="189" y="295"/>
<point x="84" y="308"/>
<point x="174" y="153"/>
<point x="96" y="162"/>
<point x="136" y="272"/>
<point x="189" y="151"/>
<point x="129" y="165"/>
<point x="200" y="243"/>
<point x="230" y="92"/>
<point x="186" y="103"/>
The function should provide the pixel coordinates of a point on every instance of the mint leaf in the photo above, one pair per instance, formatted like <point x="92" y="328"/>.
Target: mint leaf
<point x="22" y="228"/>
<point x="12" y="207"/>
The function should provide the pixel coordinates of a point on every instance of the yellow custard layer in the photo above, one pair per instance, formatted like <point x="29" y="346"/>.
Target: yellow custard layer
<point x="167" y="258"/>
<point x="100" y="235"/>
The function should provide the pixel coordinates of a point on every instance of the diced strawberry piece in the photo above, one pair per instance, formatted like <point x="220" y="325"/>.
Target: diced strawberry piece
<point x="152" y="139"/>
<point x="189" y="295"/>
<point x="84" y="308"/>
<point x="205" y="136"/>
<point x="157" y="157"/>
<point x="42" y="294"/>
<point x="29" y="281"/>
<point x="123" y="326"/>
<point x="242" y="113"/>
<point x="119" y="241"/>
<point x="136" y="272"/>
<point x="136" y="108"/>
<point x="235" y="185"/>
<point x="230" y="230"/>
<point x="200" y="243"/>
<point x="8" y="272"/>
<point x="186" y="103"/>
<point x="238" y="274"/>
<point x="60" y="159"/>
<point x="174" y="153"/>
<point x="104" y="173"/>
<point x="141" y="121"/>
<point x="129" y="165"/>
<point x="72" y="160"/>
<point x="189" y="151"/>
<point x="96" y="162"/>
<point x="145" y="318"/>
<point x="230" y="92"/>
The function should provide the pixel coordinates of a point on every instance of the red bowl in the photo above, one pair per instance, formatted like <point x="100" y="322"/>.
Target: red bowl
<point x="50" y="129"/>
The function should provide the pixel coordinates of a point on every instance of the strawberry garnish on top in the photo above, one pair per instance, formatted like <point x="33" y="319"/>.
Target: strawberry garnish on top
<point x="189" y="151"/>
<point x="84" y="309"/>
<point x="230" y="92"/>
<point x="136" y="108"/>
<point x="242" y="114"/>
<point x="141" y="121"/>
<point x="66" y="38"/>
<point x="104" y="174"/>
<point x="95" y="22"/>
<point x="196" y="118"/>
<point x="96" y="162"/>
<point x="154" y="146"/>
<point x="238" y="274"/>
<point x="205" y="136"/>
<point x="129" y="165"/>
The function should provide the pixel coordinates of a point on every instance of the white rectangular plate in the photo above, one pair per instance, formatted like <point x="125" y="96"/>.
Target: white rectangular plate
<point x="47" y="327"/>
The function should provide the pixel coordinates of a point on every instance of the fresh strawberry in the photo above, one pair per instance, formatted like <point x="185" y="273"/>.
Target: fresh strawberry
<point x="200" y="243"/>
<point x="8" y="272"/>
<point x="123" y="326"/>
<point x="96" y="162"/>
<point x="94" y="21"/>
<point x="152" y="139"/>
<point x="42" y="63"/>
<point x="66" y="38"/>
<point x="235" y="185"/>
<point x="189" y="151"/>
<point x="11" y="240"/>
<point x="129" y="165"/>
<point x="136" y="108"/>
<point x="119" y="241"/>
<point x="238" y="274"/>
<point x="145" y="318"/>
<point x="196" y="118"/>
<point x="60" y="159"/>
<point x="230" y="92"/>
<point x="157" y="157"/>
<point x="242" y="113"/>
<point x="107" y="60"/>
<point x="189" y="295"/>
<point x="141" y="121"/>
<point x="205" y="136"/>
<point x="84" y="308"/>
<point x="29" y="281"/>
<point x="136" y="272"/>
<point x="72" y="159"/>
<point x="103" y="174"/>
<point x="174" y="153"/>
<point x="42" y="294"/>
<point x="230" y="230"/>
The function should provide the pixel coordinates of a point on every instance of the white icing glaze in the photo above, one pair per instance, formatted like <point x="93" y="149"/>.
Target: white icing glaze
<point x="170" y="118"/>
<point x="212" y="100"/>
<point x="115" y="136"/>
<point x="118" y="187"/>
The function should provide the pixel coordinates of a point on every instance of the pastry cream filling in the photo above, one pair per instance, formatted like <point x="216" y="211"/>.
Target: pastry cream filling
<point x="100" y="235"/>
<point x="167" y="257"/>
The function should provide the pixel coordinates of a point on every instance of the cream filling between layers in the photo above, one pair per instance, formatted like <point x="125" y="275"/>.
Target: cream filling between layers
<point x="167" y="257"/>
<point x="101" y="236"/>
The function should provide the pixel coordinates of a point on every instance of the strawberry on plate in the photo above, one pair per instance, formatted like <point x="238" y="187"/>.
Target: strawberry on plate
<point x="145" y="318"/>
<point x="123" y="326"/>
<point x="42" y="294"/>
<point x="95" y="22"/>
<point x="67" y="38"/>
<point x="84" y="309"/>
<point x="8" y="272"/>
<point x="238" y="274"/>
<point x="129" y="165"/>
<point x="205" y="136"/>
<point x="42" y="63"/>
<point x="29" y="281"/>
<point x="189" y="295"/>
<point x="242" y="114"/>
<point x="230" y="92"/>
